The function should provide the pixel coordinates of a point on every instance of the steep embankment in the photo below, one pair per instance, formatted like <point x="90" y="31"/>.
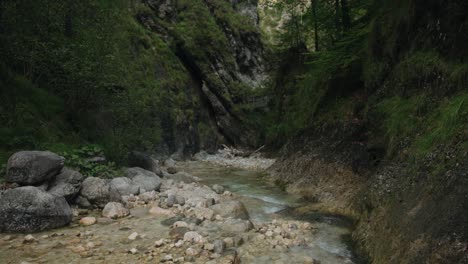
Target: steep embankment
<point x="157" y="76"/>
<point x="382" y="120"/>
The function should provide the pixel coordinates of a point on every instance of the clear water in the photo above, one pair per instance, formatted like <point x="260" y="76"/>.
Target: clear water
<point x="264" y="200"/>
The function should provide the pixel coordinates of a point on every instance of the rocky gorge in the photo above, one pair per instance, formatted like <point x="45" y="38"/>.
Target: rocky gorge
<point x="253" y="131"/>
<point x="145" y="218"/>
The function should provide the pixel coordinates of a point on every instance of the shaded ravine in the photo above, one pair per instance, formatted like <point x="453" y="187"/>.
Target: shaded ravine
<point x="267" y="202"/>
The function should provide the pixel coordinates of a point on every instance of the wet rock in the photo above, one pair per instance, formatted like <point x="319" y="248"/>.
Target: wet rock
<point x="218" y="246"/>
<point x="180" y="224"/>
<point x="169" y="163"/>
<point x="29" y="239"/>
<point x="203" y="213"/>
<point x="158" y="211"/>
<point x="178" y="233"/>
<point x="232" y="208"/>
<point x="236" y="225"/>
<point x="28" y="209"/>
<point x="159" y="243"/>
<point x="228" y="242"/>
<point x="218" y="188"/>
<point x="66" y="184"/>
<point x="171" y="200"/>
<point x="208" y="246"/>
<point x="192" y="252"/>
<point x="98" y="192"/>
<point x="133" y="236"/>
<point x="148" y="196"/>
<point x="33" y="167"/>
<point x="193" y="237"/>
<point x="124" y="186"/>
<point x="104" y="221"/>
<point x="172" y="170"/>
<point x="115" y="210"/>
<point x="87" y="221"/>
<point x="146" y="180"/>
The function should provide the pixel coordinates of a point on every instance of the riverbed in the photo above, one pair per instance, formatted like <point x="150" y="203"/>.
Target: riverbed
<point x="144" y="237"/>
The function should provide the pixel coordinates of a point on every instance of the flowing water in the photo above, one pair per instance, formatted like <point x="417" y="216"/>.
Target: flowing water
<point x="108" y="242"/>
<point x="265" y="202"/>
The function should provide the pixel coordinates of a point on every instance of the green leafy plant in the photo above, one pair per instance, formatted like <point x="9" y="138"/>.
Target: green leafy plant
<point x="81" y="159"/>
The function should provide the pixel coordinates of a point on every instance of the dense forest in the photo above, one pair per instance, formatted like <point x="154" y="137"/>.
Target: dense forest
<point x="363" y="103"/>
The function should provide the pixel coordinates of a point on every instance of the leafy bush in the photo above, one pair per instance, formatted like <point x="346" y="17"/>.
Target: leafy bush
<point x="80" y="159"/>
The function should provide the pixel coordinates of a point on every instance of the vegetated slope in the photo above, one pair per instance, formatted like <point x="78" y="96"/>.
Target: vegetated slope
<point x="157" y="76"/>
<point x="376" y="126"/>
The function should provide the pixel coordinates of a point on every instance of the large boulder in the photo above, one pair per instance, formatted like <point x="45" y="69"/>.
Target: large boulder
<point x="99" y="192"/>
<point x="33" y="167"/>
<point x="146" y="180"/>
<point x="67" y="184"/>
<point x="145" y="161"/>
<point x="232" y="208"/>
<point x="124" y="186"/>
<point x="29" y="209"/>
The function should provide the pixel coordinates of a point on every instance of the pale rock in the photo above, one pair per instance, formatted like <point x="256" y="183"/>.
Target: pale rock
<point x="193" y="237"/>
<point x="115" y="210"/>
<point x="158" y="211"/>
<point x="133" y="236"/>
<point x="87" y="221"/>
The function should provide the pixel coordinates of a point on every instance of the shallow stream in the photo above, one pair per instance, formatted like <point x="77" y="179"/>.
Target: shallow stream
<point x="266" y="202"/>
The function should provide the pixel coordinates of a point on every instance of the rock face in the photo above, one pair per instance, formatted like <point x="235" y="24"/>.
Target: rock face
<point x="124" y="186"/>
<point x="29" y="209"/>
<point x="67" y="184"/>
<point x="98" y="192"/>
<point x="33" y="167"/>
<point x="234" y="209"/>
<point x="146" y="180"/>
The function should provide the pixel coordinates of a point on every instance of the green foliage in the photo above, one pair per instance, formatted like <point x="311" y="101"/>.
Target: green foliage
<point x="79" y="159"/>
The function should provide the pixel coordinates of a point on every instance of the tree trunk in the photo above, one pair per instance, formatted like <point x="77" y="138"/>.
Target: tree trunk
<point x="346" y="20"/>
<point x="314" y="12"/>
<point x="337" y="20"/>
<point x="69" y="19"/>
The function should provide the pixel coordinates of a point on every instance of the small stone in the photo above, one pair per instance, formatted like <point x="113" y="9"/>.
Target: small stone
<point x="193" y="237"/>
<point x="218" y="246"/>
<point x="209" y="247"/>
<point x="87" y="221"/>
<point x="29" y="239"/>
<point x="159" y="243"/>
<point x="158" y="211"/>
<point x="191" y="252"/>
<point x="78" y="249"/>
<point x="90" y="245"/>
<point x="227" y="193"/>
<point x="133" y="236"/>
<point x="218" y="188"/>
<point x="133" y="251"/>
<point x="167" y="258"/>
<point x="229" y="242"/>
<point x="179" y="243"/>
<point x="115" y="210"/>
<point x="269" y="233"/>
